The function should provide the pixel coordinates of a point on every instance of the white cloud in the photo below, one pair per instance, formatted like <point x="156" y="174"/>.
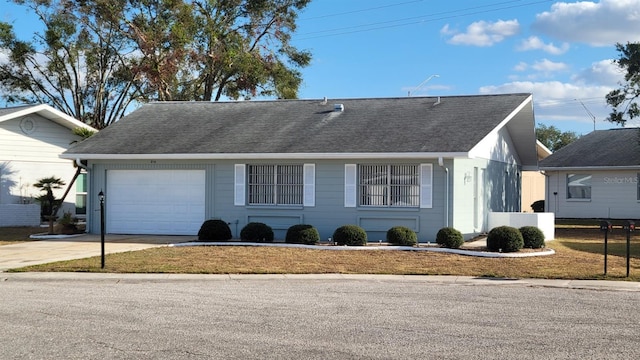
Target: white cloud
<point x="604" y="72"/>
<point x="4" y="56"/>
<point x="555" y="100"/>
<point x="535" y="43"/>
<point x="521" y="66"/>
<point x="548" y="66"/>
<point x="483" y="33"/>
<point x="602" y="23"/>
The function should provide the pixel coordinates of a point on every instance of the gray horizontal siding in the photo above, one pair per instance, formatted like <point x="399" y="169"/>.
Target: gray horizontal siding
<point x="327" y="214"/>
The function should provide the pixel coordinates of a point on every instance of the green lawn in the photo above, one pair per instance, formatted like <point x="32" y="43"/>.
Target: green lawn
<point x="578" y="256"/>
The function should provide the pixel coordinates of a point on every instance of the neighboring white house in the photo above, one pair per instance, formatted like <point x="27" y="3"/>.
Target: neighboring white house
<point x="596" y="176"/>
<point x="31" y="140"/>
<point x="420" y="162"/>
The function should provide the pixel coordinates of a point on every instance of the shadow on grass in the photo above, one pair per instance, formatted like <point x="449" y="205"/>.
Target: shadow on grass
<point x="615" y="247"/>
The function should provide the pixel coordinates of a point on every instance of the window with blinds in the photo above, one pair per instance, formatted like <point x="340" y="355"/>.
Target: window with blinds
<point x="389" y="185"/>
<point x="275" y="184"/>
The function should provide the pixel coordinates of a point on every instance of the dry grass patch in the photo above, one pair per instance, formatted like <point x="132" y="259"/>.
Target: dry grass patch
<point x="578" y="256"/>
<point x="11" y="235"/>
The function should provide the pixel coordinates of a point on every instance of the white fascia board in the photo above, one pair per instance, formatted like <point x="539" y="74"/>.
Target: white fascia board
<point x="589" y="168"/>
<point x="504" y="122"/>
<point x="50" y="113"/>
<point x="265" y="156"/>
<point x="18" y="113"/>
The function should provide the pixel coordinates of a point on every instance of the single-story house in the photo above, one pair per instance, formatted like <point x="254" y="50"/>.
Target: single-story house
<point x="32" y="137"/>
<point x="596" y="176"/>
<point x="533" y="181"/>
<point x="420" y="162"/>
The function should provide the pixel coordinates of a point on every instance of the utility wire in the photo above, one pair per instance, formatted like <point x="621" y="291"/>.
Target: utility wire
<point x="361" y="10"/>
<point x="424" y="19"/>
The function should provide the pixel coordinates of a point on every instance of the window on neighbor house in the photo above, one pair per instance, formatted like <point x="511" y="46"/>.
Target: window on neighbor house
<point x="638" y="185"/>
<point x="81" y="194"/>
<point x="275" y="184"/>
<point x="579" y="186"/>
<point x="389" y="185"/>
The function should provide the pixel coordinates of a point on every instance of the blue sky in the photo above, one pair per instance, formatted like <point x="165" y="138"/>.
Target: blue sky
<point x="561" y="52"/>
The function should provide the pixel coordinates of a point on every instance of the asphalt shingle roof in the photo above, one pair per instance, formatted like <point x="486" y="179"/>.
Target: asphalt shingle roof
<point x="408" y="124"/>
<point x="601" y="148"/>
<point x="10" y="110"/>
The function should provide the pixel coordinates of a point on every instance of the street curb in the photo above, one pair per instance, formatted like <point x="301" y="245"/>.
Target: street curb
<point x="602" y="285"/>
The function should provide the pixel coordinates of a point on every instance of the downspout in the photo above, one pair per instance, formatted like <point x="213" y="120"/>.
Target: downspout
<point x="546" y="191"/>
<point x="86" y="168"/>
<point x="446" y="196"/>
<point x="81" y="165"/>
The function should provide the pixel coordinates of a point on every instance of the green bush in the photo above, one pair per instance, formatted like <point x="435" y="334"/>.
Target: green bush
<point x="533" y="237"/>
<point x="505" y="239"/>
<point x="302" y="234"/>
<point x="449" y="237"/>
<point x="214" y="230"/>
<point x="402" y="236"/>
<point x="256" y="232"/>
<point x="352" y="235"/>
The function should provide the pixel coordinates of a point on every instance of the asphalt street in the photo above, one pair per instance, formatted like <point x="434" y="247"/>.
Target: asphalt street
<point x="108" y="316"/>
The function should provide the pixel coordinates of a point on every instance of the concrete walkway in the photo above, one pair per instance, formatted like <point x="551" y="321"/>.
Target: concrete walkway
<point x="84" y="246"/>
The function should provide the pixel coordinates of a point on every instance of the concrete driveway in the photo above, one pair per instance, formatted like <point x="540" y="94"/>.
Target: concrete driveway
<point x="88" y="245"/>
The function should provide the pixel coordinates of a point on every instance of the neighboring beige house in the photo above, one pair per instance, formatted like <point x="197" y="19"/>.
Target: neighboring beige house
<point x="32" y="137"/>
<point x="533" y="182"/>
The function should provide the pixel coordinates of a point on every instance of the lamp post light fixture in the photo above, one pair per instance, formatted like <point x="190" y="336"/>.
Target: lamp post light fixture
<point x="101" y="197"/>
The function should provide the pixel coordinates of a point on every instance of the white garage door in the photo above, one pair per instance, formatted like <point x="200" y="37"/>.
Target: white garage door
<point x="164" y="202"/>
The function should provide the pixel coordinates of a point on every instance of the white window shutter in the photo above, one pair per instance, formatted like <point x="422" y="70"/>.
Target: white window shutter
<point x="426" y="186"/>
<point x="309" y="185"/>
<point x="350" y="185"/>
<point x="239" y="182"/>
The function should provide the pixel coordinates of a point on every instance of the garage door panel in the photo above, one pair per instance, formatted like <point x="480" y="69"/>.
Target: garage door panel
<point x="166" y="202"/>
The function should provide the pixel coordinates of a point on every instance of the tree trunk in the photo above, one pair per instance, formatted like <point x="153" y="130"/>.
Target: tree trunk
<point x="55" y="206"/>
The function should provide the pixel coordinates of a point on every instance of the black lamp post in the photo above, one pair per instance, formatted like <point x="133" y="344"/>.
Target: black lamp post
<point x="101" y="197"/>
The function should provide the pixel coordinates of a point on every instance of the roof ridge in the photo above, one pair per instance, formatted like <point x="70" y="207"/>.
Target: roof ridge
<point x="336" y="99"/>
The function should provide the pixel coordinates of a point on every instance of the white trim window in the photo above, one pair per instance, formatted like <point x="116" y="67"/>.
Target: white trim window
<point x="81" y="194"/>
<point x="274" y="185"/>
<point x="389" y="185"/>
<point x="578" y="186"/>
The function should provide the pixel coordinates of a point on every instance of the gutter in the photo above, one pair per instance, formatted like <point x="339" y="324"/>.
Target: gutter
<point x="81" y="165"/>
<point x="269" y="156"/>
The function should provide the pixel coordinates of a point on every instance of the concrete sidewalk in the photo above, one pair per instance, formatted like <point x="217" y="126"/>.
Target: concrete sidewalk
<point x="84" y="246"/>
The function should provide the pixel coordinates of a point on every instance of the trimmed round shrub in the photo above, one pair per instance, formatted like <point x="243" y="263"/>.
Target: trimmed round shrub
<point x="505" y="239"/>
<point x="402" y="236"/>
<point x="449" y="237"/>
<point x="256" y="232"/>
<point x="302" y="234"/>
<point x="214" y="230"/>
<point x="352" y="235"/>
<point x="533" y="237"/>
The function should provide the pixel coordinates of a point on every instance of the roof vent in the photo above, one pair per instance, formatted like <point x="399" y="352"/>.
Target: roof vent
<point x="437" y="102"/>
<point x="338" y="107"/>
